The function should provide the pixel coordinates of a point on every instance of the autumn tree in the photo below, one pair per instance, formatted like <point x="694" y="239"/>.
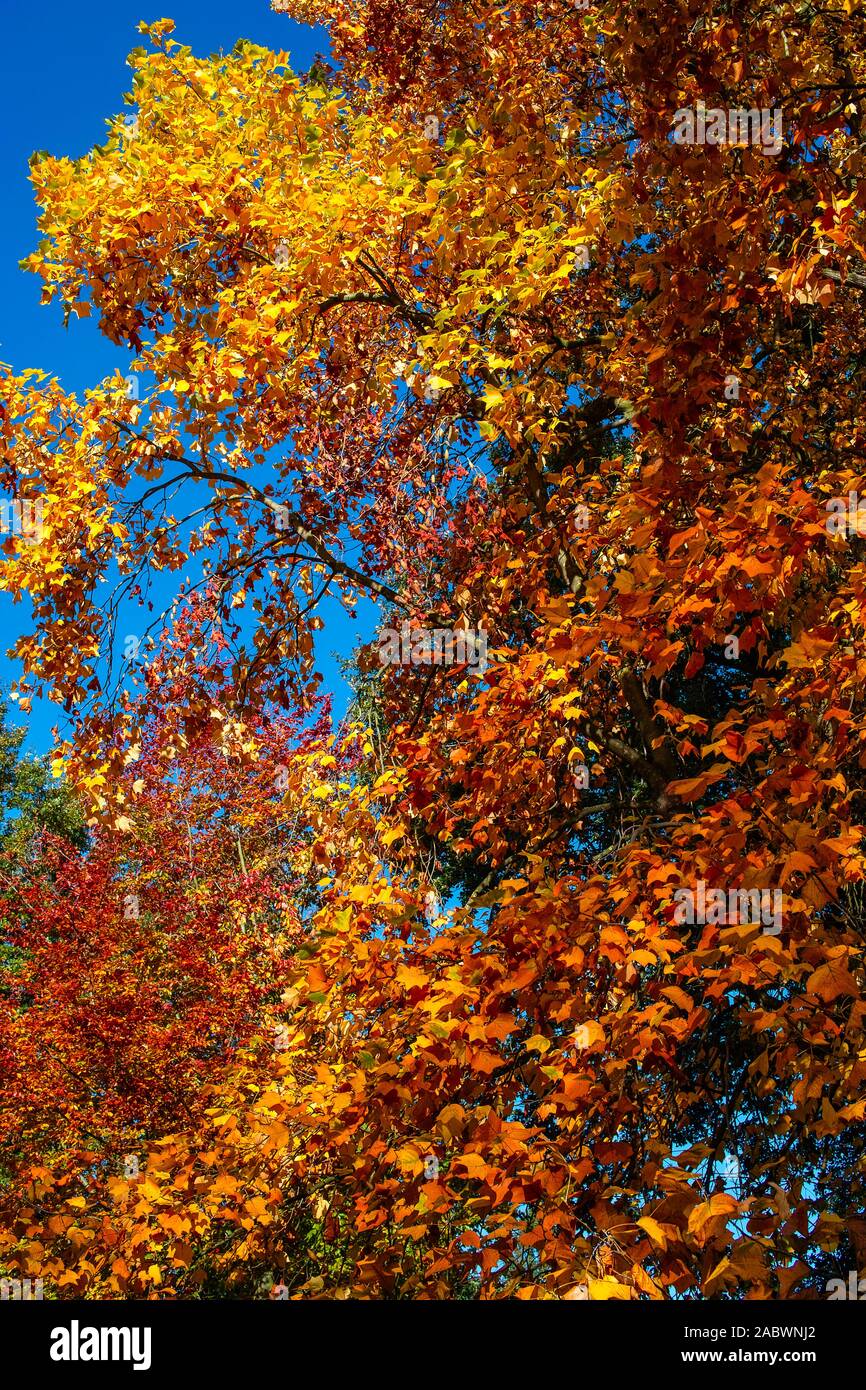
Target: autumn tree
<point x="32" y="801"/>
<point x="462" y="324"/>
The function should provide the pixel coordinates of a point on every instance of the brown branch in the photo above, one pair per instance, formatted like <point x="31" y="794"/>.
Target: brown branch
<point x="858" y="282"/>
<point x="651" y="729"/>
<point x="294" y="522"/>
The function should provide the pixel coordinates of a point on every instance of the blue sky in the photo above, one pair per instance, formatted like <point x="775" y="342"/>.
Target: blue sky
<point x="64" y="74"/>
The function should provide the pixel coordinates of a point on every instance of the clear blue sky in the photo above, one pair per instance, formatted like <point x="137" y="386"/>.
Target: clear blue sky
<point x="64" y="74"/>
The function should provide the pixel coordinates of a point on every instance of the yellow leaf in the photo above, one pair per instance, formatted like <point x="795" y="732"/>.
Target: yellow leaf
<point x="708" y="1218"/>
<point x="411" y="977"/>
<point x="602" y="1290"/>
<point x="654" y="1231"/>
<point x="832" y="980"/>
<point x="472" y="1164"/>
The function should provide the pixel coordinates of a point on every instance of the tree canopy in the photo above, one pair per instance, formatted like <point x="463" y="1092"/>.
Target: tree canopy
<point x="454" y="322"/>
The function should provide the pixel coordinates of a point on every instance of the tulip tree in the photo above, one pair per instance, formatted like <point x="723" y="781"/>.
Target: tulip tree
<point x="463" y="325"/>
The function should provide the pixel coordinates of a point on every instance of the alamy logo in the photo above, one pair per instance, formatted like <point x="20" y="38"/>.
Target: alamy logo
<point x="75" y="1343"/>
<point x="423" y="646"/>
<point x="856" y="1287"/>
<point x="20" y="1290"/>
<point x="846" y="517"/>
<point x="736" y="126"/>
<point x="21" y="517"/>
<point x="738" y="907"/>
